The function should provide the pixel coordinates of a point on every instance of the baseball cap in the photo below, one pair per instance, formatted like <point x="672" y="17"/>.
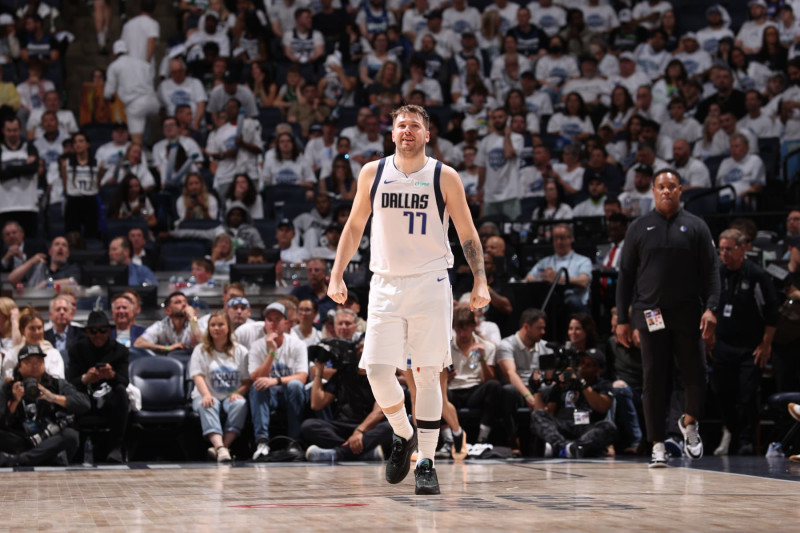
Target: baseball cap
<point x="29" y="350"/>
<point x="689" y="35"/>
<point x="212" y="13"/>
<point x="239" y="300"/>
<point x="645" y="169"/>
<point x="334" y="226"/>
<point x="120" y="47"/>
<point x="275" y="306"/>
<point x="315" y="127"/>
<point x="119" y="126"/>
<point x="285" y="222"/>
<point x="625" y="15"/>
<point x="469" y="124"/>
<point x="5" y="19"/>
<point x="762" y="3"/>
<point x="714" y="8"/>
<point x="627" y="55"/>
<point x="596" y="356"/>
<point x="229" y="77"/>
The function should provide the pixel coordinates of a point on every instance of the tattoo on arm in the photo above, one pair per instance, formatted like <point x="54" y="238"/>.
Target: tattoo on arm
<point x="473" y="252"/>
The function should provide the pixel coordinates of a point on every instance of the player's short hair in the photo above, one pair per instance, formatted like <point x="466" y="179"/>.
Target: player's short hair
<point x="411" y="109"/>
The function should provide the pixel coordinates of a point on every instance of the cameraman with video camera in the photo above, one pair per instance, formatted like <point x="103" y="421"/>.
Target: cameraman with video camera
<point x="36" y="412"/>
<point x="358" y="430"/>
<point x="573" y="422"/>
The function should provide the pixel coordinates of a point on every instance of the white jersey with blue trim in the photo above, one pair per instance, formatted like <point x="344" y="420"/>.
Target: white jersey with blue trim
<point x="409" y="221"/>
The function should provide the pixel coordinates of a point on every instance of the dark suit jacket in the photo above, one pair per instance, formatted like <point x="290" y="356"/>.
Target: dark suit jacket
<point x="74" y="334"/>
<point x="85" y="355"/>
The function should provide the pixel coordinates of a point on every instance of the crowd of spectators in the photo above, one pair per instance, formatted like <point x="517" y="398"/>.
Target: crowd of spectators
<point x="248" y="134"/>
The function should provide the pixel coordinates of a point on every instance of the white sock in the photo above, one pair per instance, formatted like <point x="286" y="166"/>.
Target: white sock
<point x="101" y="39"/>
<point x="457" y="434"/>
<point x="447" y="435"/>
<point x="428" y="438"/>
<point x="400" y="424"/>
<point x="483" y="434"/>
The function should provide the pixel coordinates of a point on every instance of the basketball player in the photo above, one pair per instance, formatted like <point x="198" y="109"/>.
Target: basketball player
<point x="411" y="198"/>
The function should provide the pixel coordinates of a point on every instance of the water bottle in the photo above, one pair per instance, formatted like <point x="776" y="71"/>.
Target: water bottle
<point x="192" y="281"/>
<point x="88" y="452"/>
<point x="474" y="360"/>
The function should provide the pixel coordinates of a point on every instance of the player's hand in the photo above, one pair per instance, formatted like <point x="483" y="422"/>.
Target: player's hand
<point x="624" y="336"/>
<point x="337" y="290"/>
<point x="480" y="296"/>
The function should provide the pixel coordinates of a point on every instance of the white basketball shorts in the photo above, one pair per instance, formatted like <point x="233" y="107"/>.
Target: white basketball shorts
<point x="409" y="315"/>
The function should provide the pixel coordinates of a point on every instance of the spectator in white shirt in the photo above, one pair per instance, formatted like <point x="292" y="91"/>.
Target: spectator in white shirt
<point x="169" y="165"/>
<point x="52" y="102"/>
<point x="180" y="89"/>
<point x="547" y="16"/>
<point x="303" y="44"/>
<point x="755" y="121"/>
<point x="750" y="34"/>
<point x="212" y="31"/>
<point x="727" y="127"/>
<point x="710" y="36"/>
<point x="461" y="18"/>
<point x="648" y="13"/>
<point x="418" y="81"/>
<point x="555" y="68"/>
<point x="678" y="126"/>
<point x="743" y="170"/>
<point x="692" y="171"/>
<point x="507" y="11"/>
<point x="132" y="80"/>
<point x="629" y="76"/>
<point x="652" y="56"/>
<point x="141" y="33"/>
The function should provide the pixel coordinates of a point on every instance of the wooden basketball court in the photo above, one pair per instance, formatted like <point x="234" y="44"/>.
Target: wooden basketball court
<point x="737" y="493"/>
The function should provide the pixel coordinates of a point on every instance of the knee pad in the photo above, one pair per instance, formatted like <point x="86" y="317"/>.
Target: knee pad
<point x="385" y="387"/>
<point x="429" y="397"/>
<point x="426" y="377"/>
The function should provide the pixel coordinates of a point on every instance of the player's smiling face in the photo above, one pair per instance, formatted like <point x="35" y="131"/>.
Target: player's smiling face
<point x="409" y="133"/>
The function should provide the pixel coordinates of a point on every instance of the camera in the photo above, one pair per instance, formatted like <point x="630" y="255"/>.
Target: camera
<point x="558" y="368"/>
<point x="31" y="386"/>
<point x="340" y="352"/>
<point x="53" y="427"/>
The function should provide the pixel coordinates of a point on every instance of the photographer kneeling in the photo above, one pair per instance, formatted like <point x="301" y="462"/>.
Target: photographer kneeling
<point x="571" y="406"/>
<point x="358" y="430"/>
<point x="37" y="411"/>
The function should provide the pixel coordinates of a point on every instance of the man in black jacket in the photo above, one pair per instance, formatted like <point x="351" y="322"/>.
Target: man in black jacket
<point x="669" y="275"/>
<point x="99" y="366"/>
<point x="32" y="402"/>
<point x="746" y="327"/>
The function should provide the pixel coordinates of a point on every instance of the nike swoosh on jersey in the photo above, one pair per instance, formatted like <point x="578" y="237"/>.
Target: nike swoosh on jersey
<point x="387" y="182"/>
<point x="650" y="227"/>
<point x="441" y="279"/>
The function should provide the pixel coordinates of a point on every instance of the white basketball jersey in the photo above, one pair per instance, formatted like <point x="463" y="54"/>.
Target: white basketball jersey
<point x="409" y="221"/>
